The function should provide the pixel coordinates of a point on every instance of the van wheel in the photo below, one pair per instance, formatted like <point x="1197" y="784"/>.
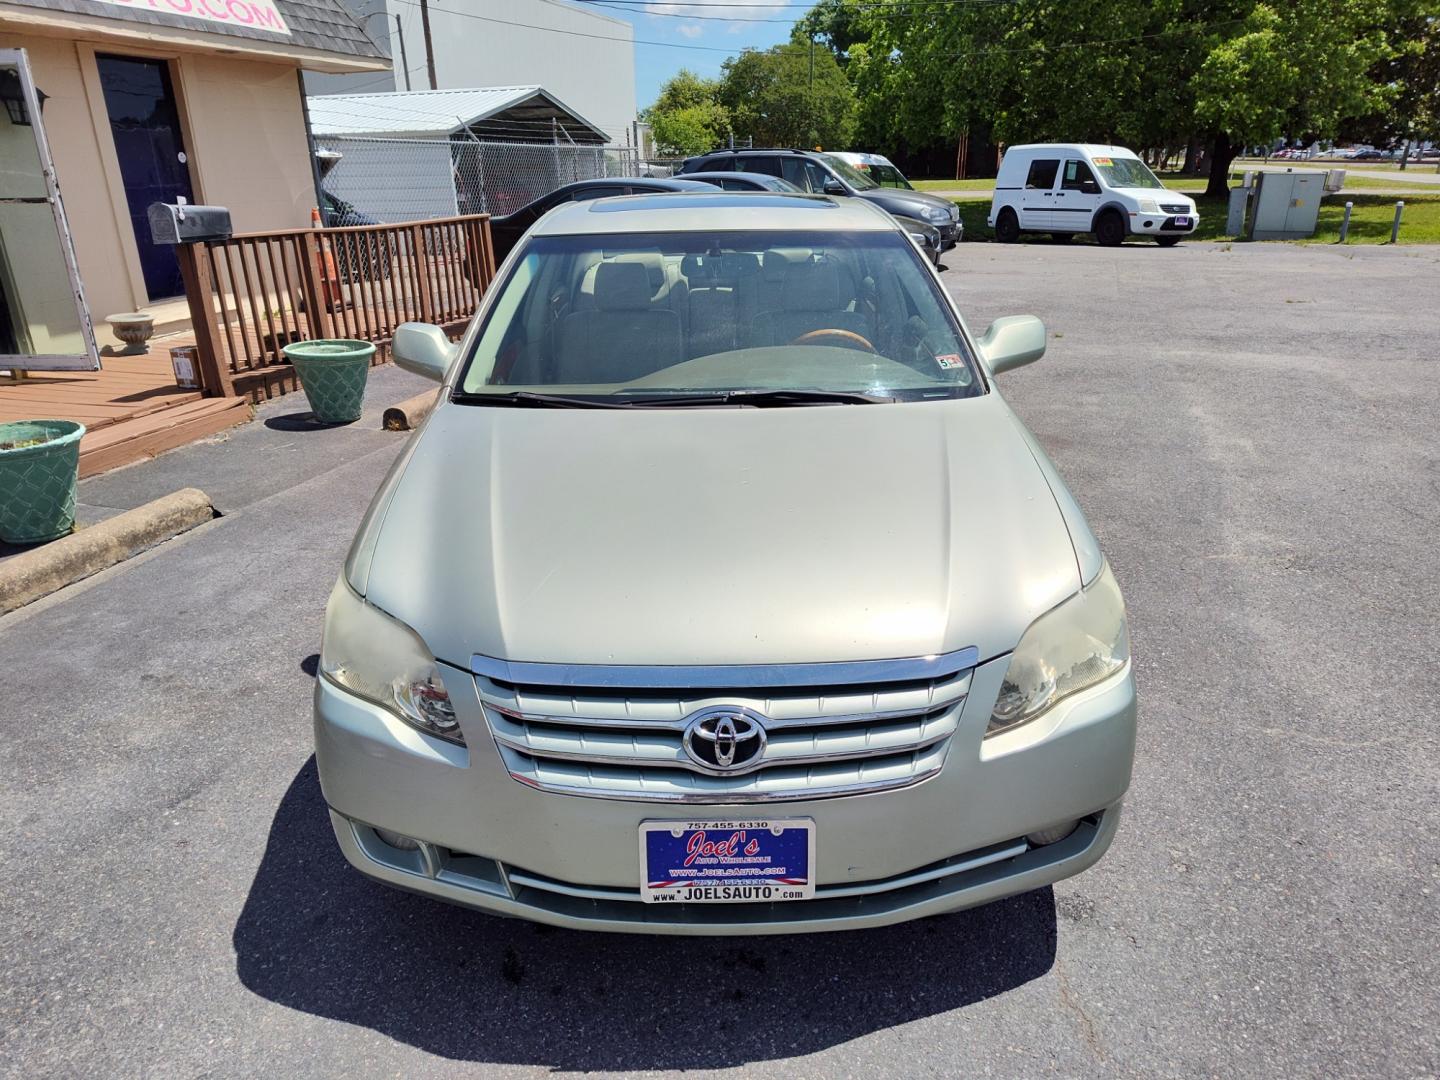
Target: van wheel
<point x="1167" y="241"/>
<point x="1110" y="229"/>
<point x="1007" y="227"/>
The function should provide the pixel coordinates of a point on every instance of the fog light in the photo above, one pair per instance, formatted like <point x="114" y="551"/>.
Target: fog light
<point x="405" y="843"/>
<point x="1149" y="224"/>
<point x="1053" y="835"/>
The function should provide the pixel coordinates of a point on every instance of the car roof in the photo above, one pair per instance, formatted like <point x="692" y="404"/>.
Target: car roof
<point x="717" y="211"/>
<point x="722" y="174"/>
<point x="656" y="183"/>
<point x="1088" y="149"/>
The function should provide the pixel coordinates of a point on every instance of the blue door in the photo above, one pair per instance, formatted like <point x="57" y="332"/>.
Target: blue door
<point x="153" y="165"/>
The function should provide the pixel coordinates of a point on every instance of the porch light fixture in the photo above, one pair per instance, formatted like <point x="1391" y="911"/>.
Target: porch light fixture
<point x="13" y="95"/>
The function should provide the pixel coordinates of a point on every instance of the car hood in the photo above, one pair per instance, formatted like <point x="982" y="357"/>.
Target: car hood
<point x="719" y="536"/>
<point x="1157" y="195"/>
<point x="910" y="203"/>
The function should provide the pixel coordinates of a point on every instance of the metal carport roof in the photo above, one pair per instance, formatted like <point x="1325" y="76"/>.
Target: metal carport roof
<point x="521" y="113"/>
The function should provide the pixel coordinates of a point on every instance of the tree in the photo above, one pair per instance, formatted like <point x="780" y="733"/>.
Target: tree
<point x="789" y="95"/>
<point x="1142" y="73"/>
<point x="687" y="118"/>
<point x="1297" y="68"/>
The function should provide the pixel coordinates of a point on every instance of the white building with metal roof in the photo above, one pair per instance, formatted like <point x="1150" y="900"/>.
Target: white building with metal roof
<point x="578" y="54"/>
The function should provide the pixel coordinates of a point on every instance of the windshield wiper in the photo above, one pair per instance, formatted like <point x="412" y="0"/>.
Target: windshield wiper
<point x="526" y="399"/>
<point x="761" y="399"/>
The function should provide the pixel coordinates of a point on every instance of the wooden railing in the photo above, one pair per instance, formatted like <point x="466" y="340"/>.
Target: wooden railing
<point x="254" y="293"/>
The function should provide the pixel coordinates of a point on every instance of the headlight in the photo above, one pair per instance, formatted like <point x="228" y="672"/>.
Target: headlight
<point x="1149" y="206"/>
<point x="936" y="213"/>
<point x="382" y="660"/>
<point x="1073" y="646"/>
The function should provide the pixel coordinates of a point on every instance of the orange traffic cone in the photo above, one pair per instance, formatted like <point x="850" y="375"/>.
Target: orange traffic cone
<point x="326" y="269"/>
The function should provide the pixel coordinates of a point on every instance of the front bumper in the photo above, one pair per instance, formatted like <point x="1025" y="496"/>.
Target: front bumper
<point x="951" y="233"/>
<point x="1162" y="224"/>
<point x="950" y="842"/>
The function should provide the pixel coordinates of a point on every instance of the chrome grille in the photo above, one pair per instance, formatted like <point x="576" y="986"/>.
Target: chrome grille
<point x="628" y="743"/>
<point x="1175" y="208"/>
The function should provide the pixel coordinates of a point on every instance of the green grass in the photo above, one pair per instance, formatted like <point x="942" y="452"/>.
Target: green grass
<point x="953" y="185"/>
<point x="1369" y="222"/>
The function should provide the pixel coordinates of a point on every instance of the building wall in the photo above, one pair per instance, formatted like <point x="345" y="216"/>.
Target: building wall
<point x="596" y="78"/>
<point x="244" y="132"/>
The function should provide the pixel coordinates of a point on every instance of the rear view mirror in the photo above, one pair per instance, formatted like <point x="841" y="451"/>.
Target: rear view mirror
<point x="423" y="349"/>
<point x="1012" y="342"/>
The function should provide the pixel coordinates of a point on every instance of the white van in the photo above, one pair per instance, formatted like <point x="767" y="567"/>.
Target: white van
<point x="1066" y="188"/>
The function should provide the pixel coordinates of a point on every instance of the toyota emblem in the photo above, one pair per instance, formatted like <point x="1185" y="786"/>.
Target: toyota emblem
<point x="725" y="739"/>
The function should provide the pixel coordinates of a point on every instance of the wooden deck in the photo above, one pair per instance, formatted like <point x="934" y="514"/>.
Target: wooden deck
<point x="131" y="407"/>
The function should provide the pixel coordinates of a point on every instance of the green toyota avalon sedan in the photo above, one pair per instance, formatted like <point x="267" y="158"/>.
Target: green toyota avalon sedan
<point x="722" y="593"/>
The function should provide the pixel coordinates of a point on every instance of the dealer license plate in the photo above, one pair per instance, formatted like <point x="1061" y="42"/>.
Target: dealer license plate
<point x="1182" y="222"/>
<point x="754" y="860"/>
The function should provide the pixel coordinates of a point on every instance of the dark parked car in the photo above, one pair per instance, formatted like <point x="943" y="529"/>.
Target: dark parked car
<point x="744" y="181"/>
<point x="922" y="232"/>
<point x="358" y="256"/>
<point x="826" y="173"/>
<point x="507" y="230"/>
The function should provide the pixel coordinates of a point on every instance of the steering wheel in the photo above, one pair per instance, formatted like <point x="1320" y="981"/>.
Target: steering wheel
<point x="846" y="337"/>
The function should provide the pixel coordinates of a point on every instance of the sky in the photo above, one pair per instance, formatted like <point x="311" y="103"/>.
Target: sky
<point x="698" y="35"/>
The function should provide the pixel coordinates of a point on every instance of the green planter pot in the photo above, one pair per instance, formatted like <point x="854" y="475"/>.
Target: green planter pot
<point x="333" y="372"/>
<point x="39" y="463"/>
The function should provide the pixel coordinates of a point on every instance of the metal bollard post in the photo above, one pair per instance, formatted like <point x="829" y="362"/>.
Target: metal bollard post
<point x="1395" y="228"/>
<point x="1345" y="223"/>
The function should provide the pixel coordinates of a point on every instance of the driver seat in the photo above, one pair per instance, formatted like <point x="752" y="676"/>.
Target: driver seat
<point x="811" y="298"/>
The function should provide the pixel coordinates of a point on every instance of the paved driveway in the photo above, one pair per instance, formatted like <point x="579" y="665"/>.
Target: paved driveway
<point x="1253" y="435"/>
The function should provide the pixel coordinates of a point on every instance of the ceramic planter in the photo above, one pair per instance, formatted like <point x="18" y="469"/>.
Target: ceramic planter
<point x="39" y="463"/>
<point x="333" y="374"/>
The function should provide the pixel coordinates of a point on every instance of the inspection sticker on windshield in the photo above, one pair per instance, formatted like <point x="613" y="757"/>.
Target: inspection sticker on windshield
<point x="1102" y="161"/>
<point x="727" y="862"/>
<point x="948" y="361"/>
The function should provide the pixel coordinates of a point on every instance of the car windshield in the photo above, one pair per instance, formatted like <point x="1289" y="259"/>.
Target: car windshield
<point x="1123" y="172"/>
<point x="758" y="317"/>
<point x="847" y="172"/>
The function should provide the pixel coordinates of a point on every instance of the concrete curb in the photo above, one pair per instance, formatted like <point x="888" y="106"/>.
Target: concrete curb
<point x="406" y="416"/>
<point x="28" y="577"/>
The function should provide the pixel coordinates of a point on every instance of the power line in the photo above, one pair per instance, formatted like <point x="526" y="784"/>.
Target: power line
<point x="578" y="33"/>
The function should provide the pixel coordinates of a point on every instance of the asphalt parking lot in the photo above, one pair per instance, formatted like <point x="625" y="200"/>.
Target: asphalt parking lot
<point x="1252" y="432"/>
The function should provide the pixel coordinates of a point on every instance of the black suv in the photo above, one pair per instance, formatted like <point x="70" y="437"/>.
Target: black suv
<point x="818" y="172"/>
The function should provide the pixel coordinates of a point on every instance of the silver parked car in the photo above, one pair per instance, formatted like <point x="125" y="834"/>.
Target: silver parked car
<point x="723" y="593"/>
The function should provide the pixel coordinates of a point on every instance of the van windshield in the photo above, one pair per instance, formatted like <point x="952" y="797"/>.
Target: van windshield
<point x="847" y="172"/>
<point x="657" y="317"/>
<point x="1123" y="172"/>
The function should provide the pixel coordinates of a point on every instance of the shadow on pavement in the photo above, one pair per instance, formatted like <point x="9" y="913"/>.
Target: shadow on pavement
<point x="316" y="936"/>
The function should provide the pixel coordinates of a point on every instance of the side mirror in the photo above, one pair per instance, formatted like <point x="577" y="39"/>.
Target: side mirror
<point x="1012" y="342"/>
<point x="423" y="349"/>
<point x="1090" y="187"/>
<point x="833" y="186"/>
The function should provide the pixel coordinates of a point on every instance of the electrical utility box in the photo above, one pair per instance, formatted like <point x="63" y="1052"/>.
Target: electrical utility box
<point x="1286" y="204"/>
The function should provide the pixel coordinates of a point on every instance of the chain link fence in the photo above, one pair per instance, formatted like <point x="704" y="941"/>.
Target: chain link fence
<point x="370" y="181"/>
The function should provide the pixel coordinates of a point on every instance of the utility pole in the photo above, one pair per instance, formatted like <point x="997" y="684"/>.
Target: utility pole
<point x="810" y="97"/>
<point x="404" y="62"/>
<point x="429" y="50"/>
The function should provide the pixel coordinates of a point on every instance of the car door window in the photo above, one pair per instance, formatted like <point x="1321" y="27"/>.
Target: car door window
<point x="1077" y="177"/>
<point x="768" y="165"/>
<point x="1042" y="174"/>
<point x="604" y="191"/>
